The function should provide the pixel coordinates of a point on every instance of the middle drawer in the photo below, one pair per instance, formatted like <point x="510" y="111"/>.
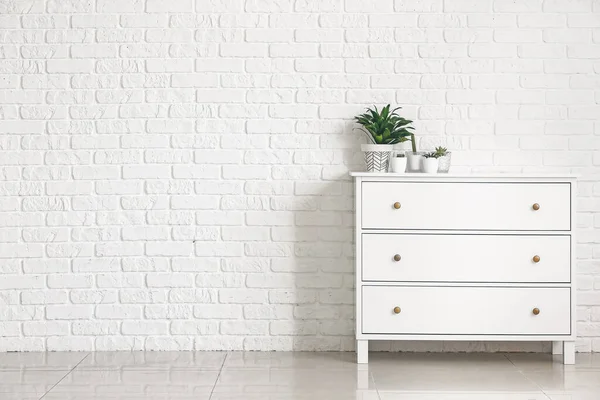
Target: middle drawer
<point x="466" y="258"/>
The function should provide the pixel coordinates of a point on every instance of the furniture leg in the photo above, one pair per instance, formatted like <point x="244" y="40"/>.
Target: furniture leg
<point x="362" y="351"/>
<point x="569" y="353"/>
<point x="557" y="347"/>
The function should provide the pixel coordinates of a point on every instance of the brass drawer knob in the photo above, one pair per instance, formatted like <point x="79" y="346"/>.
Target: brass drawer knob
<point x="397" y="257"/>
<point x="536" y="311"/>
<point x="536" y="259"/>
<point x="397" y="310"/>
<point x="397" y="205"/>
<point x="535" y="206"/>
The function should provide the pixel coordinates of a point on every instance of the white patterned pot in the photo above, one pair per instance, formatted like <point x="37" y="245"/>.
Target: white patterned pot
<point x="377" y="156"/>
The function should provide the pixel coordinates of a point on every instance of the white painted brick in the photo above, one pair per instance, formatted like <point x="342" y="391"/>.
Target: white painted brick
<point x="118" y="312"/>
<point x="69" y="312"/>
<point x="186" y="159"/>
<point x="274" y="6"/>
<point x="175" y="311"/>
<point x="169" y="6"/>
<point x="46" y="328"/>
<point x="144" y="328"/>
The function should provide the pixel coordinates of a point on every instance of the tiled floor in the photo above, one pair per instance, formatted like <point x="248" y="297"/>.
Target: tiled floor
<point x="296" y="376"/>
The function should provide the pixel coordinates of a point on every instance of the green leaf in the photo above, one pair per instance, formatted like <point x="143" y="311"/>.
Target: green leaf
<point x="385" y="126"/>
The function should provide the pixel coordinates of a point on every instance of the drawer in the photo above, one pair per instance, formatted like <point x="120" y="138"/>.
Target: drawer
<point x="464" y="206"/>
<point x="466" y="258"/>
<point x="466" y="310"/>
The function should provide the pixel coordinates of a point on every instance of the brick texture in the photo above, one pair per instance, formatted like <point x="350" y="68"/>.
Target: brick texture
<point x="173" y="174"/>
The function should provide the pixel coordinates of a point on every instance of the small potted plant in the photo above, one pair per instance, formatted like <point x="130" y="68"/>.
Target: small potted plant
<point x="430" y="162"/>
<point x="383" y="128"/>
<point x="414" y="160"/>
<point x="398" y="160"/>
<point x="444" y="159"/>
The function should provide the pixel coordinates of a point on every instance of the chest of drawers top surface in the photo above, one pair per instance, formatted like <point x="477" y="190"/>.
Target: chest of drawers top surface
<point x="463" y="176"/>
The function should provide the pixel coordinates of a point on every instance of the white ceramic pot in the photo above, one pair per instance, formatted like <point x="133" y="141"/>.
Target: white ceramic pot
<point x="398" y="164"/>
<point x="377" y="156"/>
<point x="414" y="161"/>
<point x="430" y="165"/>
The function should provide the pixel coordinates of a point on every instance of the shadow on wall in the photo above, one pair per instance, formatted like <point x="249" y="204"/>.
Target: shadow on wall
<point x="323" y="259"/>
<point x="322" y="237"/>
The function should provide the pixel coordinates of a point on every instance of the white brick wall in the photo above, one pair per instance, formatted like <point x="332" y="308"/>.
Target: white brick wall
<point x="173" y="173"/>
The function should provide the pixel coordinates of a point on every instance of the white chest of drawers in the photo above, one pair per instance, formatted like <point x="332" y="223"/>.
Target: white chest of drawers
<point x="465" y="257"/>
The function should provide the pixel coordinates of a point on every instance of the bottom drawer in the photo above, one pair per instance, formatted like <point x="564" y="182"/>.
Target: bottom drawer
<point x="465" y="310"/>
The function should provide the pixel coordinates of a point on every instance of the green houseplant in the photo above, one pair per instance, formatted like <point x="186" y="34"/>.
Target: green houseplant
<point x="383" y="129"/>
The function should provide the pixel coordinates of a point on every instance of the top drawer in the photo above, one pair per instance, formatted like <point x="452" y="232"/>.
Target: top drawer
<point x="464" y="206"/>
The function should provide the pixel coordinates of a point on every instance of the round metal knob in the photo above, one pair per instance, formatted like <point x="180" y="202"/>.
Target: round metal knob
<point x="536" y="311"/>
<point x="397" y="257"/>
<point x="397" y="205"/>
<point x="536" y="206"/>
<point x="536" y="259"/>
<point x="397" y="310"/>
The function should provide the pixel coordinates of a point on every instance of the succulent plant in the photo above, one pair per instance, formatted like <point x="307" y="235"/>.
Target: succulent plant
<point x="431" y="154"/>
<point x="441" y="151"/>
<point x="386" y="126"/>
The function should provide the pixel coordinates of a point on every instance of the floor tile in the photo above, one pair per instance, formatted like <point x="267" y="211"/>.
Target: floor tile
<point x="334" y="395"/>
<point x="547" y="362"/>
<point x="115" y="383"/>
<point x="64" y="361"/>
<point x="28" y="382"/>
<point x="124" y="396"/>
<point x="461" y="396"/>
<point x="279" y="381"/>
<point x="400" y="361"/>
<point x="328" y="360"/>
<point x="450" y="379"/>
<point x="559" y="380"/>
<point x="154" y="360"/>
<point x="574" y="395"/>
<point x="20" y="396"/>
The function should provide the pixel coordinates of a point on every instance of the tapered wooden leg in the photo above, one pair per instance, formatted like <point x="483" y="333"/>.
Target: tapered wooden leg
<point x="569" y="353"/>
<point x="362" y="351"/>
<point x="557" y="347"/>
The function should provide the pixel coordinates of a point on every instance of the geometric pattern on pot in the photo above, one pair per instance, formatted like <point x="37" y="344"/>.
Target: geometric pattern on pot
<point x="377" y="161"/>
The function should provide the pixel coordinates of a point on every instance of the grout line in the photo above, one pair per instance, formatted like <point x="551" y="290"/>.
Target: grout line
<point x="218" y="376"/>
<point x="375" y="385"/>
<point x="526" y="377"/>
<point x="61" y="379"/>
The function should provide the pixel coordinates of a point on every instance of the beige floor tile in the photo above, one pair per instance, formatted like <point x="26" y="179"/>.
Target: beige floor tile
<point x="559" y="380"/>
<point x="292" y="381"/>
<point x="549" y="362"/>
<point x="334" y="395"/>
<point x="452" y="380"/>
<point x="20" y="396"/>
<point x="386" y="361"/>
<point x="124" y="396"/>
<point x="55" y="361"/>
<point x="574" y="395"/>
<point x="154" y="360"/>
<point x="126" y="382"/>
<point x="28" y="382"/>
<point x="461" y="396"/>
<point x="329" y="360"/>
